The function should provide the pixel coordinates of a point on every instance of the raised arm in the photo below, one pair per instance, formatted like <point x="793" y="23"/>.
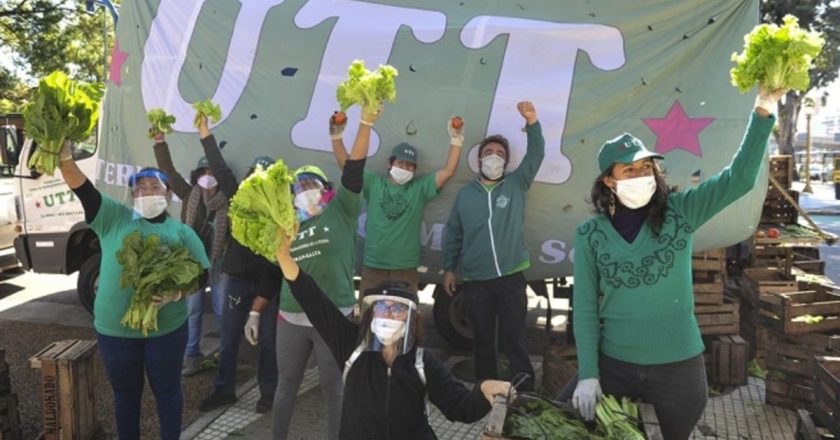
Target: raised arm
<point x="179" y="185"/>
<point x="337" y="123"/>
<point x="535" y="152"/>
<point x="88" y="195"/>
<point x="221" y="171"/>
<point x="456" y="140"/>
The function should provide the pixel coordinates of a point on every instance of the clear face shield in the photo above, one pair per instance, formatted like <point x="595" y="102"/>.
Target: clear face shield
<point x="391" y="323"/>
<point x="309" y="196"/>
<point x="149" y="192"/>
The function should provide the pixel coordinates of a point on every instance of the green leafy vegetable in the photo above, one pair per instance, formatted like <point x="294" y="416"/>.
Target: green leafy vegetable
<point x="539" y="419"/>
<point x="261" y="205"/>
<point x="777" y="57"/>
<point x="161" y="122"/>
<point x="207" y="108"/>
<point x="754" y="369"/>
<point x="808" y="319"/>
<point x="618" y="421"/>
<point x="152" y="267"/>
<point x="365" y="88"/>
<point x="61" y="110"/>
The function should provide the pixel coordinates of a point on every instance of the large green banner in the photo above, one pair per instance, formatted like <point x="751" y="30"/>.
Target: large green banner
<point x="595" y="69"/>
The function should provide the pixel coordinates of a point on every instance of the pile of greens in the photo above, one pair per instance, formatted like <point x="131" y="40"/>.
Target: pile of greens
<point x="207" y="108"/>
<point x="540" y="419"/>
<point x="777" y="57"/>
<point x="152" y="267"/>
<point x="161" y="122"/>
<point x="365" y="88"/>
<point x="61" y="110"/>
<point x="261" y="206"/>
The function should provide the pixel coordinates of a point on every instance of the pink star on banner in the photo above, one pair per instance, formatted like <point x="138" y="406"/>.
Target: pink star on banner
<point x="118" y="58"/>
<point x="677" y="130"/>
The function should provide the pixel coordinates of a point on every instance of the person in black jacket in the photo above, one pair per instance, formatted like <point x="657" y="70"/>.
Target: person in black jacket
<point x="246" y="279"/>
<point x="385" y="382"/>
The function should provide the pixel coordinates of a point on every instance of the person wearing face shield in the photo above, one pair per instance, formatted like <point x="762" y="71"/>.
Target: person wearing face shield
<point x="485" y="235"/>
<point x="204" y="208"/>
<point x="127" y="354"/>
<point x="395" y="206"/>
<point x="388" y="377"/>
<point x="636" y="332"/>
<point x="326" y="248"/>
<point x="247" y="283"/>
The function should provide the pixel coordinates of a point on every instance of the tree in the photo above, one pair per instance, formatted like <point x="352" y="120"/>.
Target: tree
<point x="819" y="15"/>
<point x="46" y="35"/>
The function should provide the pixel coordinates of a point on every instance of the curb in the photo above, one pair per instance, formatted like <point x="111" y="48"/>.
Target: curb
<point x="206" y="419"/>
<point x="823" y="212"/>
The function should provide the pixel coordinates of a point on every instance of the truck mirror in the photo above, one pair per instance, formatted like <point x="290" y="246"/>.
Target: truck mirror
<point x="8" y="147"/>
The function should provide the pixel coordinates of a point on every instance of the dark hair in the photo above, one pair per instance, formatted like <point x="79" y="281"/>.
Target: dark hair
<point x="367" y="317"/>
<point x="499" y="139"/>
<point x="601" y="194"/>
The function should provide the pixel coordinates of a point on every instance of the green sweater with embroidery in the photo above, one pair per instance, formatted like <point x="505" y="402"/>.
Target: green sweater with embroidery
<point x="634" y="301"/>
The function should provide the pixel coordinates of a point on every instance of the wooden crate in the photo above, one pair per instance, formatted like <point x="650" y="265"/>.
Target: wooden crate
<point x="779" y="311"/>
<point x="789" y="392"/>
<point x="762" y="281"/>
<point x="781" y="168"/>
<point x="778" y="209"/>
<point x="771" y="256"/>
<point x="559" y="367"/>
<point x="816" y="267"/>
<point x="709" y="276"/>
<point x="728" y="360"/>
<point x="68" y="389"/>
<point x="808" y="428"/>
<point x="493" y="430"/>
<point x="826" y="405"/>
<point x="722" y="319"/>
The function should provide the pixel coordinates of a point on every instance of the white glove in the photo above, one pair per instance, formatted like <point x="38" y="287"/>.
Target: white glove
<point x="456" y="135"/>
<point x="768" y="99"/>
<point x="587" y="394"/>
<point x="161" y="300"/>
<point x="65" y="154"/>
<point x="252" y="327"/>
<point x="336" y="129"/>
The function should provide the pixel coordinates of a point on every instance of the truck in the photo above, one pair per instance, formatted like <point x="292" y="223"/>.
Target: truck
<point x="657" y="69"/>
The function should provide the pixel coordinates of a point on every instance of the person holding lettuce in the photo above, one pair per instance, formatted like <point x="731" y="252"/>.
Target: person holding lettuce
<point x="248" y="282"/>
<point x="128" y="354"/>
<point x="395" y="206"/>
<point x="204" y="209"/>
<point x="636" y="332"/>
<point x="325" y="248"/>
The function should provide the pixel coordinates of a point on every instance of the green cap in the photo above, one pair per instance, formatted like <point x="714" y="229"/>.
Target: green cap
<point x="202" y="163"/>
<point x="263" y="161"/>
<point x="311" y="169"/>
<point x="623" y="149"/>
<point x="406" y="152"/>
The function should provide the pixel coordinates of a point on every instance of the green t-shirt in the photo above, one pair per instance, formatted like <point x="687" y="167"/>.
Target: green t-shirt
<point x="325" y="248"/>
<point x="112" y="224"/>
<point x="394" y="214"/>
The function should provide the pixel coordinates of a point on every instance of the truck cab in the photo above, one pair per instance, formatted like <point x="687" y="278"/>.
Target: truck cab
<point x="45" y="222"/>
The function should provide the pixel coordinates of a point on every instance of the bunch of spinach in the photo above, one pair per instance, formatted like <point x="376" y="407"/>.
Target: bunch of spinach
<point x="152" y="267"/>
<point x="61" y="110"/>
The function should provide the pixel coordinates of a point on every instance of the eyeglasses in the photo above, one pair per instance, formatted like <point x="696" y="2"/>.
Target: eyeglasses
<point x="380" y="308"/>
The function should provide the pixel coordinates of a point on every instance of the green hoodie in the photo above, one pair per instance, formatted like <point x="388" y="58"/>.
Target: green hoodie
<point x="485" y="228"/>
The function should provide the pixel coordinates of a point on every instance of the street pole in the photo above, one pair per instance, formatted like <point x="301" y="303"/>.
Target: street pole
<point x="807" y="188"/>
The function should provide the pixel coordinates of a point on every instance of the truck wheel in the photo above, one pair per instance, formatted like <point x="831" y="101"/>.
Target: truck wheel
<point x="451" y="319"/>
<point x="88" y="281"/>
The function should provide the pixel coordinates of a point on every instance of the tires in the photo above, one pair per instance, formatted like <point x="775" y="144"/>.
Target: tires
<point x="88" y="281"/>
<point x="451" y="319"/>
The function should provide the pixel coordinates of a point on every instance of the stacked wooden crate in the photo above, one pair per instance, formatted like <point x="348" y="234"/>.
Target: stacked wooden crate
<point x="777" y="208"/>
<point x="826" y="406"/>
<point x="755" y="283"/>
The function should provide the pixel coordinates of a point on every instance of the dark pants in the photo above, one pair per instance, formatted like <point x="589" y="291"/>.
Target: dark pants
<point x="676" y="390"/>
<point x="239" y="293"/>
<point x="504" y="299"/>
<point x="126" y="360"/>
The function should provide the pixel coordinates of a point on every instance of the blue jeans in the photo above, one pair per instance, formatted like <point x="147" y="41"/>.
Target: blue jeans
<point x="239" y="294"/>
<point x="195" y="307"/>
<point x="126" y="360"/>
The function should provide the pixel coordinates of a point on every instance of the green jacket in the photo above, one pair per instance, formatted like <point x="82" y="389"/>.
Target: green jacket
<point x="485" y="229"/>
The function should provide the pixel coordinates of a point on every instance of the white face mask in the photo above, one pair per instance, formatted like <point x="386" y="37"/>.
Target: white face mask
<point x="207" y="181"/>
<point x="492" y="167"/>
<point x="388" y="331"/>
<point x="400" y="175"/>
<point x="636" y="192"/>
<point x="150" y="207"/>
<point x="307" y="201"/>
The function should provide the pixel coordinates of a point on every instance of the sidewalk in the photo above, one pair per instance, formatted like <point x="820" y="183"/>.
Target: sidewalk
<point x="821" y="201"/>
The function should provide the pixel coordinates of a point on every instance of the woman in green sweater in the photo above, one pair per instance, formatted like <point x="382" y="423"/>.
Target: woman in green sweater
<point x="634" y="307"/>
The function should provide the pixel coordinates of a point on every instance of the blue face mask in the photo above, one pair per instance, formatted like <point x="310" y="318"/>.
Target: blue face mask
<point x="308" y="204"/>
